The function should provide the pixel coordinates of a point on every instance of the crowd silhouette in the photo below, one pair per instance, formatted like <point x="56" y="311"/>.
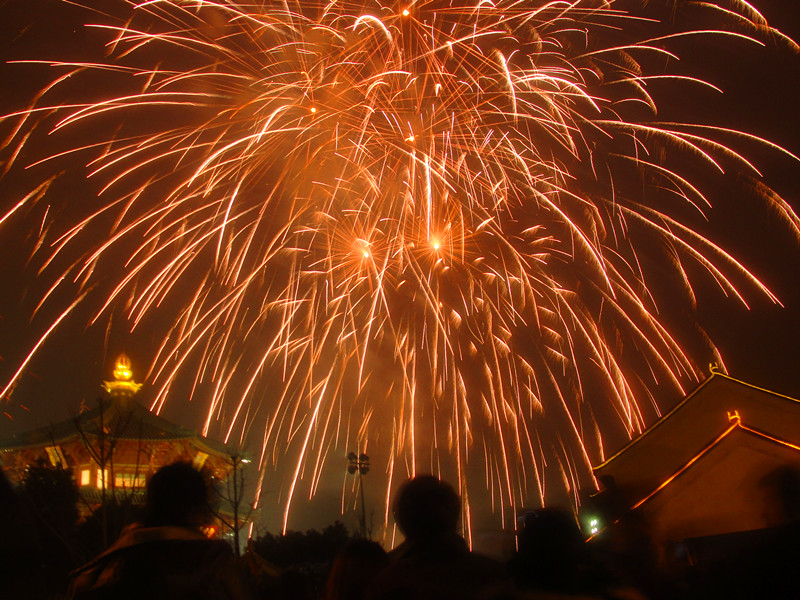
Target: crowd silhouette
<point x="167" y="554"/>
<point x="434" y="561"/>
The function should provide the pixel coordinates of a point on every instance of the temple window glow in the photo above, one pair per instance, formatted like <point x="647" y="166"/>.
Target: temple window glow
<point x="56" y="456"/>
<point x="102" y="477"/>
<point x="200" y="460"/>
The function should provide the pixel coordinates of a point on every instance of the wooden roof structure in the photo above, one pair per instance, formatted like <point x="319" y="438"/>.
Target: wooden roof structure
<point x="699" y="470"/>
<point x="120" y="417"/>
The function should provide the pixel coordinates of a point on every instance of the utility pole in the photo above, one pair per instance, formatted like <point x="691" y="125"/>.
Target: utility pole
<point x="360" y="464"/>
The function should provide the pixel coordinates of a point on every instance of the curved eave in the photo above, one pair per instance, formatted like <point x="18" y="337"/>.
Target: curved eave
<point x="204" y="444"/>
<point x="735" y="426"/>
<point x="705" y="383"/>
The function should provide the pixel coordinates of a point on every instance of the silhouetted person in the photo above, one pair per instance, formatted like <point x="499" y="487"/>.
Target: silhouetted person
<point x="780" y="490"/>
<point x="295" y="584"/>
<point x="353" y="570"/>
<point x="166" y="555"/>
<point x="552" y="554"/>
<point x="434" y="562"/>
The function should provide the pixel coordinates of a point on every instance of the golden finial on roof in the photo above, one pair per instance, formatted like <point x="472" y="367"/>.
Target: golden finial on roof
<point x="123" y="384"/>
<point x="122" y="372"/>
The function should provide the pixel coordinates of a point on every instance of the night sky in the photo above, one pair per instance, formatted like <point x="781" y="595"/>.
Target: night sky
<point x="760" y="345"/>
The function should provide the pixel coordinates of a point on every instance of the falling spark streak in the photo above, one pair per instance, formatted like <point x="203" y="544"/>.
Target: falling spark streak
<point x="419" y="231"/>
<point x="32" y="353"/>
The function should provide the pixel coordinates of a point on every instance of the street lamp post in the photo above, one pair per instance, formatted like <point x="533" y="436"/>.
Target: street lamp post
<point x="360" y="464"/>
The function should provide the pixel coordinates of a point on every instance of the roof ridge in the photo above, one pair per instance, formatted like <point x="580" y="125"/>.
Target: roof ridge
<point x="715" y="374"/>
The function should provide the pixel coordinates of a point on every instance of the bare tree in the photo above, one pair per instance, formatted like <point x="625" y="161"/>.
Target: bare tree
<point x="232" y="513"/>
<point x="101" y="447"/>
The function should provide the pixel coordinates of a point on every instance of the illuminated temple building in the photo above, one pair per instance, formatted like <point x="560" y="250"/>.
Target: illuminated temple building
<point x="703" y="469"/>
<point x="113" y="448"/>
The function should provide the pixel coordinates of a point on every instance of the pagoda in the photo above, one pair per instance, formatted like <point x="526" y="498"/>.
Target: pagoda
<point x="113" y="448"/>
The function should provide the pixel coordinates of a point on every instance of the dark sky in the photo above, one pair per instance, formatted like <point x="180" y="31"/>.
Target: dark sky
<point x="760" y="345"/>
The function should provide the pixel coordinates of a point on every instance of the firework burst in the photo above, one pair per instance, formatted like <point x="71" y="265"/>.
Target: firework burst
<point x="416" y="226"/>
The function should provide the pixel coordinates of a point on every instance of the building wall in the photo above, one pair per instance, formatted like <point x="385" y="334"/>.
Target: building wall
<point x="724" y="493"/>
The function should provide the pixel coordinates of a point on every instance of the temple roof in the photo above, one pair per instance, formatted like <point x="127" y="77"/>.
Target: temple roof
<point x="118" y="417"/>
<point x="721" y="490"/>
<point x="693" y="425"/>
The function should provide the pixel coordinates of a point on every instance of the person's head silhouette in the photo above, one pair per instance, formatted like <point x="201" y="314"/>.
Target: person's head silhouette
<point x="426" y="507"/>
<point x="177" y="495"/>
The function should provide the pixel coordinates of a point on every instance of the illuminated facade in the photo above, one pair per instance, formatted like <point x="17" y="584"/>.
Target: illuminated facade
<point x="701" y="470"/>
<point x="113" y="448"/>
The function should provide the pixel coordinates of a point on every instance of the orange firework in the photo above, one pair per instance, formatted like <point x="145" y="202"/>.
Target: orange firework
<point x="420" y="229"/>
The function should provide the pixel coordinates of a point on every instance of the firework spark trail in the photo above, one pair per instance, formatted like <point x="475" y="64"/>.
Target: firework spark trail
<point x="392" y="224"/>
